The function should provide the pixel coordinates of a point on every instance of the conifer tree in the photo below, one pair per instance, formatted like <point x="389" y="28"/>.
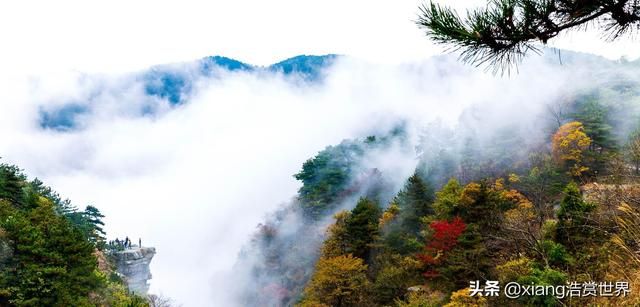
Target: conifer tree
<point x="503" y="32"/>
<point x="573" y="229"/>
<point x="93" y="218"/>
<point x="362" y="227"/>
<point x="415" y="201"/>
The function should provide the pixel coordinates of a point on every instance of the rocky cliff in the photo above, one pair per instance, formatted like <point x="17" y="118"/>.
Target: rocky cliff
<point x="133" y="265"/>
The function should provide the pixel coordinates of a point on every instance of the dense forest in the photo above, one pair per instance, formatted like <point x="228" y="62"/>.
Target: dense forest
<point x="51" y="253"/>
<point x="559" y="207"/>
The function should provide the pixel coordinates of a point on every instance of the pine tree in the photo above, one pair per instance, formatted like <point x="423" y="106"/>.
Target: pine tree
<point x="506" y="30"/>
<point x="573" y="230"/>
<point x="52" y="264"/>
<point x="362" y="227"/>
<point x="11" y="184"/>
<point x="94" y="219"/>
<point x="415" y="201"/>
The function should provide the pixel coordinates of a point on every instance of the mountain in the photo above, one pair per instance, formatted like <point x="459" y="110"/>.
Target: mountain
<point x="174" y="83"/>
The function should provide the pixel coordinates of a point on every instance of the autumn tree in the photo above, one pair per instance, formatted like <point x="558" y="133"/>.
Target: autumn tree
<point x="444" y="237"/>
<point x="395" y="275"/>
<point x="338" y="281"/>
<point x="336" y="243"/>
<point x="568" y="145"/>
<point x="462" y="297"/>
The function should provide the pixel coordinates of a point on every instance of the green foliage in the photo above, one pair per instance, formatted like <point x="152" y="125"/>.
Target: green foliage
<point x="573" y="230"/>
<point x="53" y="264"/>
<point x="503" y="32"/>
<point x="47" y="249"/>
<point x="11" y="184"/>
<point x="327" y="176"/>
<point x="402" y="234"/>
<point x="572" y="207"/>
<point x="414" y="201"/>
<point x="469" y="260"/>
<point x="353" y="232"/>
<point x="396" y="275"/>
<point x="543" y="277"/>
<point x="90" y="223"/>
<point x="448" y="199"/>
<point x="362" y="227"/>
<point x="556" y="253"/>
<point x="597" y="124"/>
<point x="543" y="181"/>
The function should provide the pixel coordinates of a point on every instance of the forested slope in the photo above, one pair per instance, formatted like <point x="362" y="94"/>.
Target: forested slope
<point x="511" y="205"/>
<point x="49" y="249"/>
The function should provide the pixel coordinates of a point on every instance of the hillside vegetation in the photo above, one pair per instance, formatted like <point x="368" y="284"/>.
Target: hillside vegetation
<point x="553" y="210"/>
<point x="49" y="249"/>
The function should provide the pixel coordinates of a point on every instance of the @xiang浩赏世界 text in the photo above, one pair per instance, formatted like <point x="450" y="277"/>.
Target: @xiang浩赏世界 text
<point x="514" y="290"/>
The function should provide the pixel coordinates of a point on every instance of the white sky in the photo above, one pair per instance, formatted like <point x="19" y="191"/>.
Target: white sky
<point x="119" y="35"/>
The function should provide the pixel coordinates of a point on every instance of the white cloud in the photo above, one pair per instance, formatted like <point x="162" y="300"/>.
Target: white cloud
<point x="196" y="180"/>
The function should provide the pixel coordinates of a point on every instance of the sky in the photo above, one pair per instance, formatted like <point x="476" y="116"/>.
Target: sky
<point x="122" y="35"/>
<point x="181" y="180"/>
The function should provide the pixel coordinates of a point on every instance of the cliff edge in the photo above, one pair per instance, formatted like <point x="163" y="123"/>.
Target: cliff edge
<point x="133" y="265"/>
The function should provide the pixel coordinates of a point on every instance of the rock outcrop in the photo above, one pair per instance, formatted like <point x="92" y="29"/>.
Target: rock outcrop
<point x="133" y="265"/>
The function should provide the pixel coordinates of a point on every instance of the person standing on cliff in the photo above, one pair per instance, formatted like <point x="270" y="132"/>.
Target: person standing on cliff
<point x="140" y="242"/>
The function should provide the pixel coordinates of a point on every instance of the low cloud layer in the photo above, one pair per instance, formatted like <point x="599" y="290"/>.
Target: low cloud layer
<point x="195" y="179"/>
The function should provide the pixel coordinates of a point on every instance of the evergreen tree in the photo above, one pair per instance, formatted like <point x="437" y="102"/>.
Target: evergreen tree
<point x="94" y="219"/>
<point x="52" y="265"/>
<point x="573" y="229"/>
<point x="11" y="184"/>
<point x="362" y="227"/>
<point x="595" y="118"/>
<point x="415" y="201"/>
<point x="506" y="30"/>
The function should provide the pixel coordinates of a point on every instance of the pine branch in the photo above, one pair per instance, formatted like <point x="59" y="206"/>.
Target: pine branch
<point x="503" y="33"/>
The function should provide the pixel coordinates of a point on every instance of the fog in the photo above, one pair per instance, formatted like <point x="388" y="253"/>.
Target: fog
<point x="194" y="180"/>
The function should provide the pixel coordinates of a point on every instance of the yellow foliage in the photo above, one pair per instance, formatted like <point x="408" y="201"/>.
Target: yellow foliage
<point x="337" y="281"/>
<point x="514" y="196"/>
<point x="513" y="269"/>
<point x="513" y="178"/>
<point x="470" y="193"/>
<point x="568" y="144"/>
<point x="422" y="299"/>
<point x="499" y="185"/>
<point x="624" y="263"/>
<point x="334" y="245"/>
<point x="521" y="215"/>
<point x="388" y="215"/>
<point x="461" y="298"/>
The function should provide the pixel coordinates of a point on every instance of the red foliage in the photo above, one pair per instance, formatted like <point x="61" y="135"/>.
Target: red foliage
<point x="445" y="237"/>
<point x="445" y="234"/>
